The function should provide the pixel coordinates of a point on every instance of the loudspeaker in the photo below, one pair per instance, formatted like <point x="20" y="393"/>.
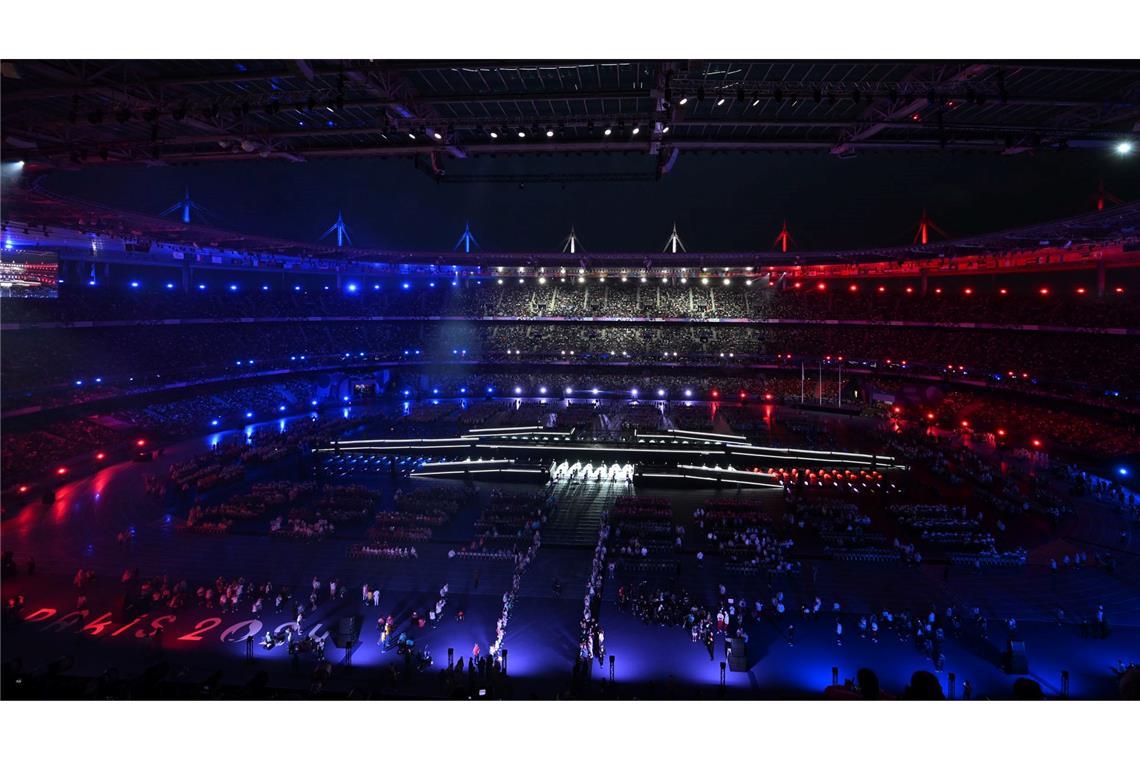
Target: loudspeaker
<point x="347" y="632"/>
<point x="737" y="655"/>
<point x="1016" y="660"/>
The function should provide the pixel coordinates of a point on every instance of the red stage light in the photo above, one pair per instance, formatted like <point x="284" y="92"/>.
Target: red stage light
<point x="930" y="415"/>
<point x="938" y="291"/>
<point x="853" y="288"/>
<point x="1003" y="292"/>
<point x="896" y="409"/>
<point x="61" y="471"/>
<point x="909" y="289"/>
<point x="1001" y="432"/>
<point x="715" y="393"/>
<point x="965" y="423"/>
<point x="23" y="489"/>
<point x="100" y="456"/>
<point x="882" y="289"/>
<point x="798" y="285"/>
<point x="743" y="394"/>
<point x="1080" y="291"/>
<point x="140" y="442"/>
<point x="767" y="396"/>
<point x="822" y="286"/>
<point x="1118" y="290"/>
<point x="1044" y="291"/>
<point x="1037" y="442"/>
<point x="969" y="291"/>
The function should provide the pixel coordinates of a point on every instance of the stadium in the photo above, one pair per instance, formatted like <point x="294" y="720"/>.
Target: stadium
<point x="592" y="380"/>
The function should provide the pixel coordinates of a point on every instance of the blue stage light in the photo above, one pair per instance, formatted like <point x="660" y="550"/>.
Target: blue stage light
<point x="201" y="285"/>
<point x="215" y="423"/>
<point x="233" y="288"/>
<point x="406" y="285"/>
<point x="170" y="286"/>
<point x="352" y="287"/>
<point x="134" y="283"/>
<point x="1123" y="471"/>
<point x="249" y="415"/>
<point x="281" y="408"/>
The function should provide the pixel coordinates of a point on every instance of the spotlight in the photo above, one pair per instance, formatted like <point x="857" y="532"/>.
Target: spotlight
<point x="608" y="132"/>
<point x="720" y="102"/>
<point x="522" y="134"/>
<point x="1124" y="148"/>
<point x="683" y="101"/>
<point x="550" y="133"/>
<point x="636" y="130"/>
<point x="494" y="135"/>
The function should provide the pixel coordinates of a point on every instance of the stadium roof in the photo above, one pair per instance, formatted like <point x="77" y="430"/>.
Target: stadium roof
<point x="64" y="113"/>
<point x="30" y="205"/>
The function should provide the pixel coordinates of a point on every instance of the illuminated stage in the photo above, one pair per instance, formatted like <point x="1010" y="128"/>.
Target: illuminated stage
<point x="662" y="458"/>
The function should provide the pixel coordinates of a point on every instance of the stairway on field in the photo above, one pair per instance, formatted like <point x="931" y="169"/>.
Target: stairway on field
<point x="578" y="512"/>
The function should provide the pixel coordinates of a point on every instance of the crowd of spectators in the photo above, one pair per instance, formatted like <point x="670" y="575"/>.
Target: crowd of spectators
<point x="415" y="514"/>
<point x="1043" y="300"/>
<point x="505" y="523"/>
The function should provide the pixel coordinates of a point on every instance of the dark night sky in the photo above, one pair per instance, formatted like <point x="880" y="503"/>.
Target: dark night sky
<point x="719" y="202"/>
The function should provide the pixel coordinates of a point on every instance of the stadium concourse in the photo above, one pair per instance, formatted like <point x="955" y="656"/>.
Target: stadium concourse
<point x="512" y="481"/>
